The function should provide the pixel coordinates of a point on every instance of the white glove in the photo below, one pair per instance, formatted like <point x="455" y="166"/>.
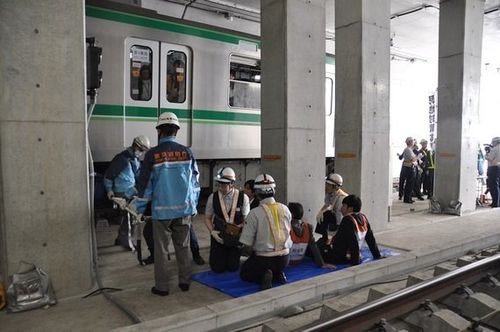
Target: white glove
<point x="139" y="218"/>
<point x="216" y="236"/>
<point x="121" y="202"/>
<point x="111" y="194"/>
<point x="319" y="217"/>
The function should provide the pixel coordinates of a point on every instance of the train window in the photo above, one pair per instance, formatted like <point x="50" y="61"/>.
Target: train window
<point x="244" y="82"/>
<point x="328" y="96"/>
<point x="141" y="85"/>
<point x="176" y="77"/>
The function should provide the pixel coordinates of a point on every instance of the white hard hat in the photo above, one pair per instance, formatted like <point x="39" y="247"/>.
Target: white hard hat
<point x="423" y="141"/>
<point x="142" y="142"/>
<point x="225" y="175"/>
<point x="264" y="184"/>
<point x="334" y="178"/>
<point x="495" y="140"/>
<point x="168" y="118"/>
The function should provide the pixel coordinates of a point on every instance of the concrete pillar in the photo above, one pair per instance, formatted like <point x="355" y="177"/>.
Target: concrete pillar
<point x="460" y="42"/>
<point x="44" y="216"/>
<point x="362" y="38"/>
<point x="293" y="99"/>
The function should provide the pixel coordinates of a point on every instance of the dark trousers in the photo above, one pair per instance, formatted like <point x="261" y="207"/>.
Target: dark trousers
<point x="417" y="184"/>
<point x="402" y="180"/>
<point x="329" y="224"/>
<point x="126" y="231"/>
<point x="409" y="178"/>
<point x="429" y="182"/>
<point x="223" y="258"/>
<point x="255" y="266"/>
<point x="148" y="236"/>
<point x="493" y="183"/>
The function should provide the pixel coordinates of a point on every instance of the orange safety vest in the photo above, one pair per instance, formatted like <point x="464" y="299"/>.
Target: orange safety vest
<point x="299" y="246"/>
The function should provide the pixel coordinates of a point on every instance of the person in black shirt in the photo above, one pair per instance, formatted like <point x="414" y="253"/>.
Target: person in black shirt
<point x="353" y="231"/>
<point x="250" y="192"/>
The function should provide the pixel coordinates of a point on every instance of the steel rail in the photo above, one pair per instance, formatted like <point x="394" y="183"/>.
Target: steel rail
<point x="394" y="305"/>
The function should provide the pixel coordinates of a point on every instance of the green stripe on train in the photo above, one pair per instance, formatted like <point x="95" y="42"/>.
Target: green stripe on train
<point x="116" y="16"/>
<point x="151" y="113"/>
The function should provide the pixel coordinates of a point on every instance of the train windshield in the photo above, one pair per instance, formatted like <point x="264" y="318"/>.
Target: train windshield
<point x="244" y="82"/>
<point x="141" y="86"/>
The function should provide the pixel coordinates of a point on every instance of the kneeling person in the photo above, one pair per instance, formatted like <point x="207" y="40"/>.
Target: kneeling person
<point x="267" y="233"/>
<point x="353" y="231"/>
<point x="224" y="215"/>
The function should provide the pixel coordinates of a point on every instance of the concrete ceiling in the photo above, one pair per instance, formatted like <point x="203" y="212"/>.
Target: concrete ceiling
<point x="414" y="35"/>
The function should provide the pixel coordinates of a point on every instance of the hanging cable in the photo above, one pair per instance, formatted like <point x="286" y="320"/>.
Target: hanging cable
<point x="186" y="7"/>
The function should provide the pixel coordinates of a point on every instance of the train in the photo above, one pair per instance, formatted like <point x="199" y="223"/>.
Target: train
<point x="208" y="76"/>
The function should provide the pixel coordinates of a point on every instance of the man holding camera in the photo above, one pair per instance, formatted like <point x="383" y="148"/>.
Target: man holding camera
<point x="493" y="172"/>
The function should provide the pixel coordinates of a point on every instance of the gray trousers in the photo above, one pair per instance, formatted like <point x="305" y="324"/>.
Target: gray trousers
<point x="178" y="229"/>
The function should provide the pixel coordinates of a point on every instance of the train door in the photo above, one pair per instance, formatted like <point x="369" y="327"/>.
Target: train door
<point x="329" y="116"/>
<point x="175" y="87"/>
<point x="141" y="89"/>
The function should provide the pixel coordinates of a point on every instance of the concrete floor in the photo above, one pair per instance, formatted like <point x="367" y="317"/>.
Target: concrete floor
<point x="412" y="229"/>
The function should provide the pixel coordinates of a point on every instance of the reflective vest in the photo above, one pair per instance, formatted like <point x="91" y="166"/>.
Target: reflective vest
<point x="275" y="216"/>
<point x="299" y="246"/>
<point x="222" y="216"/>
<point x="361" y="227"/>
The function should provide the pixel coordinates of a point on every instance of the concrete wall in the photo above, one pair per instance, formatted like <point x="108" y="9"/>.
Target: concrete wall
<point x="43" y="162"/>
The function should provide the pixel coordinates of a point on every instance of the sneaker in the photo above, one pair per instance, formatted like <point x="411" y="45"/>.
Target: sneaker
<point x="411" y="201"/>
<point x="184" y="287"/>
<point x="149" y="260"/>
<point x="158" y="292"/>
<point x="267" y="280"/>
<point x="198" y="259"/>
<point x="281" y="278"/>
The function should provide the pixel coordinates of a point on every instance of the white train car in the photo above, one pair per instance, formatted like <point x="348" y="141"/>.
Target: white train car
<point x="209" y="77"/>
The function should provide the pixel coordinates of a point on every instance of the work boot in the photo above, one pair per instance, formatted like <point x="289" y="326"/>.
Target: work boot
<point x="149" y="260"/>
<point x="198" y="259"/>
<point x="281" y="278"/>
<point x="158" y="292"/>
<point x="267" y="280"/>
<point x="184" y="287"/>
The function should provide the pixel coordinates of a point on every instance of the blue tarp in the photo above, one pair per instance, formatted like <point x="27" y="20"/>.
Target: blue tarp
<point x="231" y="284"/>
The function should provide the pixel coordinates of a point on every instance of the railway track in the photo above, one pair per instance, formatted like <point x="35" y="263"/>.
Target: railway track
<point x="457" y="295"/>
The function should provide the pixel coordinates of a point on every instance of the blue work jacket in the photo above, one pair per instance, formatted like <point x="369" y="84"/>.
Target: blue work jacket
<point x="169" y="178"/>
<point x="122" y="173"/>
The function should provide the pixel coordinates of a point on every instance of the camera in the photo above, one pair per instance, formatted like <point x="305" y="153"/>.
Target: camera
<point x="487" y="147"/>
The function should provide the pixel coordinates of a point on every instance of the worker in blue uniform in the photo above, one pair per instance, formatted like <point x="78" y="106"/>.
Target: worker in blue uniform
<point x="120" y="180"/>
<point x="169" y="178"/>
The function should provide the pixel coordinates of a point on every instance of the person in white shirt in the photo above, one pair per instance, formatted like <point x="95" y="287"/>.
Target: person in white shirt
<point x="493" y="172"/>
<point x="267" y="234"/>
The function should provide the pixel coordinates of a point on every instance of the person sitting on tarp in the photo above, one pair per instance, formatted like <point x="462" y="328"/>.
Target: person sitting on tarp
<point x="267" y="234"/>
<point x="303" y="239"/>
<point x="329" y="216"/>
<point x="224" y="215"/>
<point x="352" y="233"/>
